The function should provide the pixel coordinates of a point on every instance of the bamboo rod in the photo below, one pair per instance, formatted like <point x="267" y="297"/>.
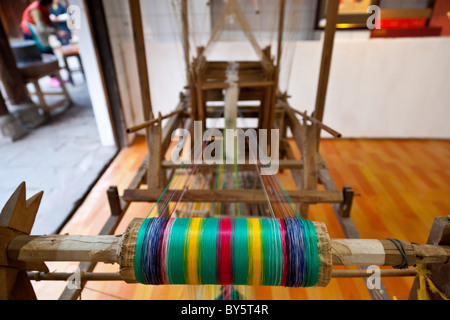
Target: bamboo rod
<point x="154" y="121"/>
<point x="384" y="273"/>
<point x="323" y="126"/>
<point x="280" y="31"/>
<point x="84" y="276"/>
<point x="116" y="276"/>
<point x="234" y="196"/>
<point x="107" y="249"/>
<point x="319" y="123"/>
<point x="327" y="53"/>
<point x="185" y="19"/>
<point x="283" y="164"/>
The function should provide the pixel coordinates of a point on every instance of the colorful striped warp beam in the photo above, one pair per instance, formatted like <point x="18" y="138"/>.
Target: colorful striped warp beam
<point x="282" y="250"/>
<point x="255" y="252"/>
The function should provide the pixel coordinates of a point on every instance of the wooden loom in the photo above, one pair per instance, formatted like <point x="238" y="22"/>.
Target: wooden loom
<point x="23" y="257"/>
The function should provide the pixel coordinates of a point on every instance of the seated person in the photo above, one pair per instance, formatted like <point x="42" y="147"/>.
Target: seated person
<point x="59" y="16"/>
<point x="36" y="25"/>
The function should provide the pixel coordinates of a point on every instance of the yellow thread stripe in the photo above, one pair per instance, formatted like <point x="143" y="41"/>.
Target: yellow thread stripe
<point x="255" y="252"/>
<point x="193" y="250"/>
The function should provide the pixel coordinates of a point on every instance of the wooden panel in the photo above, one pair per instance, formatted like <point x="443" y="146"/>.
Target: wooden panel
<point x="100" y="34"/>
<point x="11" y="15"/>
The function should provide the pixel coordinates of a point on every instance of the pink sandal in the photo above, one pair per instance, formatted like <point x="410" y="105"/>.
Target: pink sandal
<point x="54" y="82"/>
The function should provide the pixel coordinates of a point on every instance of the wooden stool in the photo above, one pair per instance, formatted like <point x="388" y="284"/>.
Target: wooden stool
<point x="72" y="51"/>
<point x="49" y="66"/>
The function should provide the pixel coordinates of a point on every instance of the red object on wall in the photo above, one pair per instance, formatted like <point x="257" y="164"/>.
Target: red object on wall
<point x="441" y="16"/>
<point x="403" y="23"/>
<point x="407" y="32"/>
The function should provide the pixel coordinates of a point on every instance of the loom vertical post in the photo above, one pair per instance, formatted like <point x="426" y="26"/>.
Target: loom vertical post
<point x="155" y="156"/>
<point x="185" y="20"/>
<point x="327" y="54"/>
<point x="280" y="31"/>
<point x="309" y="157"/>
<point x="139" y="47"/>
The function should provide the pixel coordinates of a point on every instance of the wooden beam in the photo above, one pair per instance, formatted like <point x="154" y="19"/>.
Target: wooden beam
<point x="114" y="201"/>
<point x="139" y="48"/>
<point x="11" y="14"/>
<point x="185" y="21"/>
<point x="233" y="196"/>
<point x="310" y="158"/>
<point x="384" y="273"/>
<point x="327" y="53"/>
<point x="65" y="248"/>
<point x="244" y="111"/>
<point x="241" y="84"/>
<point x="3" y="108"/>
<point x="296" y="128"/>
<point x="155" y="121"/>
<point x="84" y="276"/>
<point x="320" y="124"/>
<point x="10" y="74"/>
<point x="283" y="164"/>
<point x="172" y="124"/>
<point x="347" y="252"/>
<point x="280" y="31"/>
<point x="154" y="134"/>
<point x="116" y="276"/>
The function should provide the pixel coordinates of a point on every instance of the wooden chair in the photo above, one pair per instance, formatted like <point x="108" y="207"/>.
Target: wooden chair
<point x="49" y="66"/>
<point x="72" y="51"/>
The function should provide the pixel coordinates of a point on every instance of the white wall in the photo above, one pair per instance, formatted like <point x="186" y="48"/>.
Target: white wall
<point x="378" y="87"/>
<point x="395" y="88"/>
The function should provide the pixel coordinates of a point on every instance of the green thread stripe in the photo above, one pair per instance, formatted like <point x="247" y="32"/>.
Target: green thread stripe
<point x="273" y="252"/>
<point x="176" y="250"/>
<point x="208" y="251"/>
<point x="138" y="250"/>
<point x="240" y="252"/>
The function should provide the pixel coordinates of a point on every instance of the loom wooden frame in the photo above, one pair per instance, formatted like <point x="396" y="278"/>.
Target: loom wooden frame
<point x="206" y="80"/>
<point x="275" y="112"/>
<point x="261" y="83"/>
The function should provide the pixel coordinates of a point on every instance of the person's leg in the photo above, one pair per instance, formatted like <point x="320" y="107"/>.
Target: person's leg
<point x="54" y="82"/>
<point x="27" y="37"/>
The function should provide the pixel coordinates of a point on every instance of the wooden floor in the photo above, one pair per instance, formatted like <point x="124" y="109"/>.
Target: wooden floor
<point x="401" y="186"/>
